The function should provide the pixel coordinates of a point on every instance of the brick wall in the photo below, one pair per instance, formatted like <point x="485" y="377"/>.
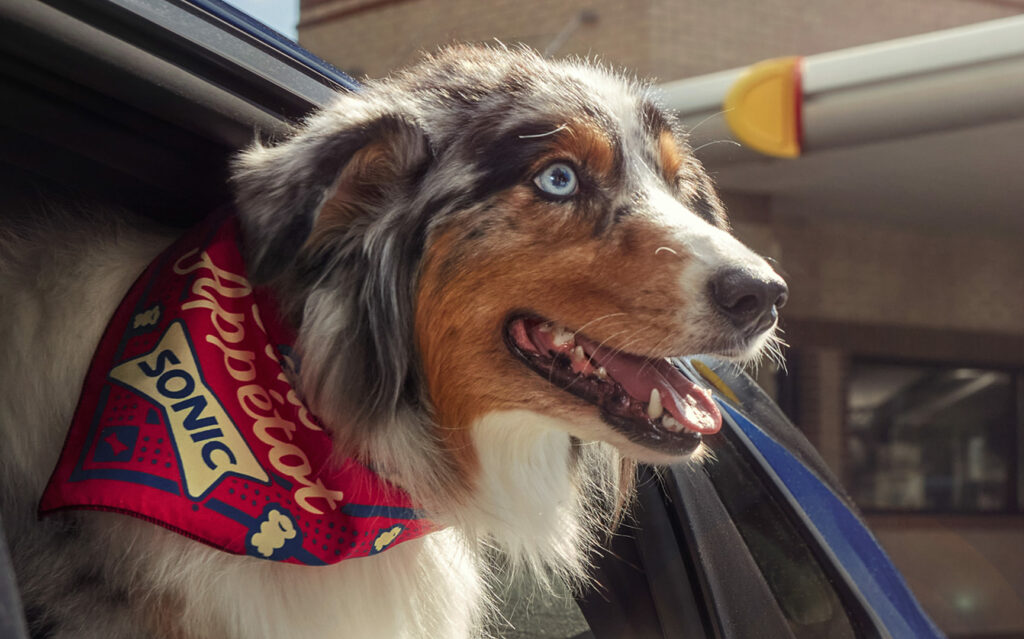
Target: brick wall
<point x="873" y="274"/>
<point x="666" y="39"/>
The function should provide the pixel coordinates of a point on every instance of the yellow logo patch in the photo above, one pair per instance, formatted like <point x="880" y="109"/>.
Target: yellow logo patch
<point x="209" y="444"/>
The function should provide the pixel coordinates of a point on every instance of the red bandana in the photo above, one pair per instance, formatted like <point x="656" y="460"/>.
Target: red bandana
<point x="187" y="420"/>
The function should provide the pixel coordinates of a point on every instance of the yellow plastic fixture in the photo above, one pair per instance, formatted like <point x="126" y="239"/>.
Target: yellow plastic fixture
<point x="764" y="105"/>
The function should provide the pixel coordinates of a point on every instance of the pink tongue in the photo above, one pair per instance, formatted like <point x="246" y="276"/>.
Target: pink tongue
<point x="689" y="404"/>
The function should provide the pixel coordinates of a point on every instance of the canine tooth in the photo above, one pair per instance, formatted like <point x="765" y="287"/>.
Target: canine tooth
<point x="562" y="337"/>
<point x="602" y="372"/>
<point x="671" y="424"/>
<point x="577" y="354"/>
<point x="545" y="327"/>
<point x="654" y="408"/>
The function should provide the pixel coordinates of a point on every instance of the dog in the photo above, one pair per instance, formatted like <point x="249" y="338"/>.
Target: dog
<point x="487" y="258"/>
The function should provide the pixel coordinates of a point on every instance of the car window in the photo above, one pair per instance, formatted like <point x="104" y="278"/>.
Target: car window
<point x="806" y="595"/>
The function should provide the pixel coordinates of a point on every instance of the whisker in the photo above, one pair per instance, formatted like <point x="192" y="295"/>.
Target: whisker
<point x="626" y="345"/>
<point x="544" y="135"/>
<point x="596" y="319"/>
<point x="657" y="347"/>
<point x="601" y="345"/>
<point x="734" y="142"/>
<point x="614" y="351"/>
<point x="708" y="119"/>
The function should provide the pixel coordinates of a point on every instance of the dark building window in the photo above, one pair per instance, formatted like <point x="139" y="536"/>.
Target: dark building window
<point x="932" y="438"/>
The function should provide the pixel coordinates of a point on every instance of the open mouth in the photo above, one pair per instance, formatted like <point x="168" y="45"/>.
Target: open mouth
<point x="646" y="399"/>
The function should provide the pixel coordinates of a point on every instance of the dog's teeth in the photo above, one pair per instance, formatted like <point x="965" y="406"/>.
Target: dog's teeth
<point x="577" y="354"/>
<point x="602" y="372"/>
<point x="654" y="408"/>
<point x="670" y="424"/>
<point x="545" y="327"/>
<point x="561" y="337"/>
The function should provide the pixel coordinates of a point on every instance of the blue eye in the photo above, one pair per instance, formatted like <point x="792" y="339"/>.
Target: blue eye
<point x="558" y="179"/>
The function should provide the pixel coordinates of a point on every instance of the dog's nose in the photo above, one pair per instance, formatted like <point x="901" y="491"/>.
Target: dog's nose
<point x="748" y="299"/>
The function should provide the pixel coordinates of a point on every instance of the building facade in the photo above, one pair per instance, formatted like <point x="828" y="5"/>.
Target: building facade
<point x="660" y="39"/>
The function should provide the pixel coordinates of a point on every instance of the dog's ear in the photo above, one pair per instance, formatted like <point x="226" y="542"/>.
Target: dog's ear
<point x="328" y="213"/>
<point x="340" y="160"/>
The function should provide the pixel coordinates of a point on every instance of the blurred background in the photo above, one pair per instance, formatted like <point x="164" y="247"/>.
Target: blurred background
<point x="895" y="213"/>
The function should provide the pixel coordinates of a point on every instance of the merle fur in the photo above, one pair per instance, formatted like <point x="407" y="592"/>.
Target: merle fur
<point x="471" y="124"/>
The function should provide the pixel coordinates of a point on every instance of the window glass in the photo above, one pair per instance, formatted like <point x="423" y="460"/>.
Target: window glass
<point x="930" y="438"/>
<point x="280" y="15"/>
<point x="807" y="596"/>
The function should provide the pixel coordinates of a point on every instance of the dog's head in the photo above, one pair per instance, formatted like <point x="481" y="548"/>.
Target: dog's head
<point x="492" y="231"/>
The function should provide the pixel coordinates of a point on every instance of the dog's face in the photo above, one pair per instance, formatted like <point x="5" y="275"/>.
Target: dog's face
<point x="491" y="231"/>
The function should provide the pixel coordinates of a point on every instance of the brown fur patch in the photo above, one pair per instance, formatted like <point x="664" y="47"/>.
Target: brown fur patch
<point x="357" y="189"/>
<point x="617" y="288"/>
<point x="590" y="146"/>
<point x="670" y="156"/>
<point x="624" y="498"/>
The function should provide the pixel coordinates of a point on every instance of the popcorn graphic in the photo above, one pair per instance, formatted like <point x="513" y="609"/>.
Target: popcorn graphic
<point x="147" y="318"/>
<point x="274" y="531"/>
<point x="386" y="537"/>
